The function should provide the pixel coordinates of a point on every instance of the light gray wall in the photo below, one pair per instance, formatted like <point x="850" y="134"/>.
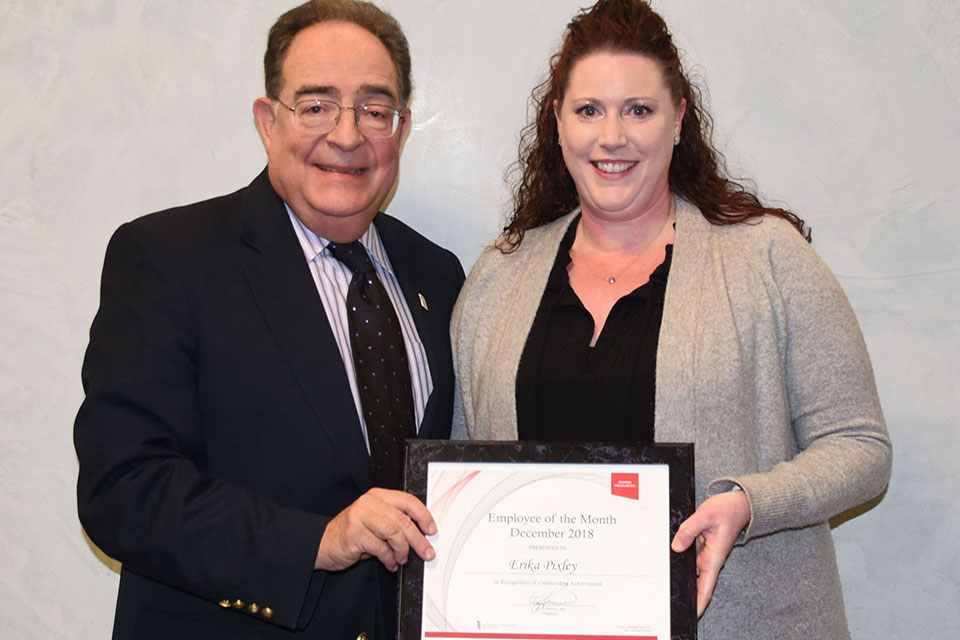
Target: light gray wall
<point x="848" y="111"/>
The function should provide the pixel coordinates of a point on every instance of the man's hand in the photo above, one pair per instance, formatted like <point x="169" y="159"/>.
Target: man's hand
<point x="382" y="524"/>
<point x="715" y="526"/>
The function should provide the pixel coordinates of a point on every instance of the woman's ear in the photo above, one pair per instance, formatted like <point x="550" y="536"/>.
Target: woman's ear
<point x="678" y="123"/>
<point x="556" y="116"/>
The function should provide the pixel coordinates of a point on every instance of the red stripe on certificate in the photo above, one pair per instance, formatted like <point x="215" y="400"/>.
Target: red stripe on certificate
<point x="529" y="636"/>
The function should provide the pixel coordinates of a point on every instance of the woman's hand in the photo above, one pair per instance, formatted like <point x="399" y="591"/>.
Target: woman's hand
<point x="715" y="526"/>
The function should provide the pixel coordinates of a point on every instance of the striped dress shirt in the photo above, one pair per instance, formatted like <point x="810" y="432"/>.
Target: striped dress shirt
<point x="332" y="279"/>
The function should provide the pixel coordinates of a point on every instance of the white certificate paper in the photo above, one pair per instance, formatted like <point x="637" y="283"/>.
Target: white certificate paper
<point x="547" y="551"/>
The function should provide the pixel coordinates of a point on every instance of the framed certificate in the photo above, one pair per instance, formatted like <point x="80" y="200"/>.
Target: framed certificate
<point x="551" y="541"/>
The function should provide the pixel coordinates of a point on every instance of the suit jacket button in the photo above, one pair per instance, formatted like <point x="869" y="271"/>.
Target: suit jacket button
<point x="238" y="604"/>
<point x="362" y="635"/>
<point x="225" y="603"/>
<point x="266" y="612"/>
<point x="253" y="608"/>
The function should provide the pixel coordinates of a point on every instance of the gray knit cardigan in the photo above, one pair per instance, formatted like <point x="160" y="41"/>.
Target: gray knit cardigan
<point x="760" y="363"/>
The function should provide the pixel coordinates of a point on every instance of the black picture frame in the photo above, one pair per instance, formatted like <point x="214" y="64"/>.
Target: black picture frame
<point x="678" y="456"/>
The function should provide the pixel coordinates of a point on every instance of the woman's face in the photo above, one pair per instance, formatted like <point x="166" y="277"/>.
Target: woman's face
<point x="617" y="125"/>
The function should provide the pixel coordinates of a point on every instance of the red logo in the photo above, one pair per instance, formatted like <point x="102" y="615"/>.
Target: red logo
<point x="625" y="485"/>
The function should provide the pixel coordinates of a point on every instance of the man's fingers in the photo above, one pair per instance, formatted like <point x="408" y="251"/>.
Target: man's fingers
<point x="372" y="546"/>
<point x="400" y="532"/>
<point x="381" y="523"/>
<point x="422" y="547"/>
<point x="409" y="505"/>
<point x="403" y="530"/>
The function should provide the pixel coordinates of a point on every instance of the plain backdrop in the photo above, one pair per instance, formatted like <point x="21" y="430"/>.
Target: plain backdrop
<point x="846" y="111"/>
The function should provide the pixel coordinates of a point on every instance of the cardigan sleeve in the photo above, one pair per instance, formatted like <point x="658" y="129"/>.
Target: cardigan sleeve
<point x="844" y="452"/>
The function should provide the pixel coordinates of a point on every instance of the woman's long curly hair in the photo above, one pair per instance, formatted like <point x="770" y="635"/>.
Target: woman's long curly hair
<point x="545" y="191"/>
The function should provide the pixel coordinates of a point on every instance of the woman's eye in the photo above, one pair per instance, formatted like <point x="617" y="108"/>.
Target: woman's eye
<point x="588" y="111"/>
<point x="638" y="110"/>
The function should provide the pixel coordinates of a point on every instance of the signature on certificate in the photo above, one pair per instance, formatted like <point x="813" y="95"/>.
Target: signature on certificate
<point x="554" y="601"/>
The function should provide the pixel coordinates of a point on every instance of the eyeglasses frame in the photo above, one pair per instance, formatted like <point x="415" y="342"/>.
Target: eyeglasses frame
<point x="398" y="116"/>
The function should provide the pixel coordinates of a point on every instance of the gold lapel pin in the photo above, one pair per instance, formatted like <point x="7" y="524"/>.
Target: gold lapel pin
<point x="423" y="302"/>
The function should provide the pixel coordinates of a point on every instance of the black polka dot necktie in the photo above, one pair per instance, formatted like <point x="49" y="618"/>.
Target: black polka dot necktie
<point x="380" y="359"/>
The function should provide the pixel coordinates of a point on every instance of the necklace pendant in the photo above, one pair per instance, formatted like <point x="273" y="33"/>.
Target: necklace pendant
<point x="612" y="280"/>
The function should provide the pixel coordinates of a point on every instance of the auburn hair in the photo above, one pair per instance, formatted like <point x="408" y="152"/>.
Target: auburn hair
<point x="544" y="190"/>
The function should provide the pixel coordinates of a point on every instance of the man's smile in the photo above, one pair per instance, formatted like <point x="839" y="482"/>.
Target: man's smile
<point x="341" y="170"/>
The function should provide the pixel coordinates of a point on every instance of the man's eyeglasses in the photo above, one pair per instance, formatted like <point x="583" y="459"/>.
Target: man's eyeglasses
<point x="322" y="116"/>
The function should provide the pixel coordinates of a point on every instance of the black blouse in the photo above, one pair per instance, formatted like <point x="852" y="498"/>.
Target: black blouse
<point x="570" y="391"/>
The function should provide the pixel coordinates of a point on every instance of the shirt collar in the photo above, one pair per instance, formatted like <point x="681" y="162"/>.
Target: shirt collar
<point x="315" y="246"/>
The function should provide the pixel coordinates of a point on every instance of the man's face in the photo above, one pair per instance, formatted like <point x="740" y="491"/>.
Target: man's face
<point x="335" y="182"/>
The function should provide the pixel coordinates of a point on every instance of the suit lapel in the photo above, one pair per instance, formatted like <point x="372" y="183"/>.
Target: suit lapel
<point x="413" y="278"/>
<point x="285" y="292"/>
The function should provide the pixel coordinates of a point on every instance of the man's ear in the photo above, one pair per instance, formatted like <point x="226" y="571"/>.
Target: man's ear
<point x="265" y="115"/>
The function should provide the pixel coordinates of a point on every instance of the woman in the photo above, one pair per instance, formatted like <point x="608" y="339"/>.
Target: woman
<point x="638" y="294"/>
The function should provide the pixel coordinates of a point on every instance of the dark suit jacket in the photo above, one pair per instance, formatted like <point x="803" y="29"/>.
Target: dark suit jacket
<point x="219" y="436"/>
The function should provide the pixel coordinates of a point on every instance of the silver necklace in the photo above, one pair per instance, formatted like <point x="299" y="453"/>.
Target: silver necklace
<point x="612" y="278"/>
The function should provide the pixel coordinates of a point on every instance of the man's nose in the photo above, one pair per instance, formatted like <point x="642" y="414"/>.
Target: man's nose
<point x="345" y="133"/>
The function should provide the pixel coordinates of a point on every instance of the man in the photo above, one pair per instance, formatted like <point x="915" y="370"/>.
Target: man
<point x="230" y="454"/>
